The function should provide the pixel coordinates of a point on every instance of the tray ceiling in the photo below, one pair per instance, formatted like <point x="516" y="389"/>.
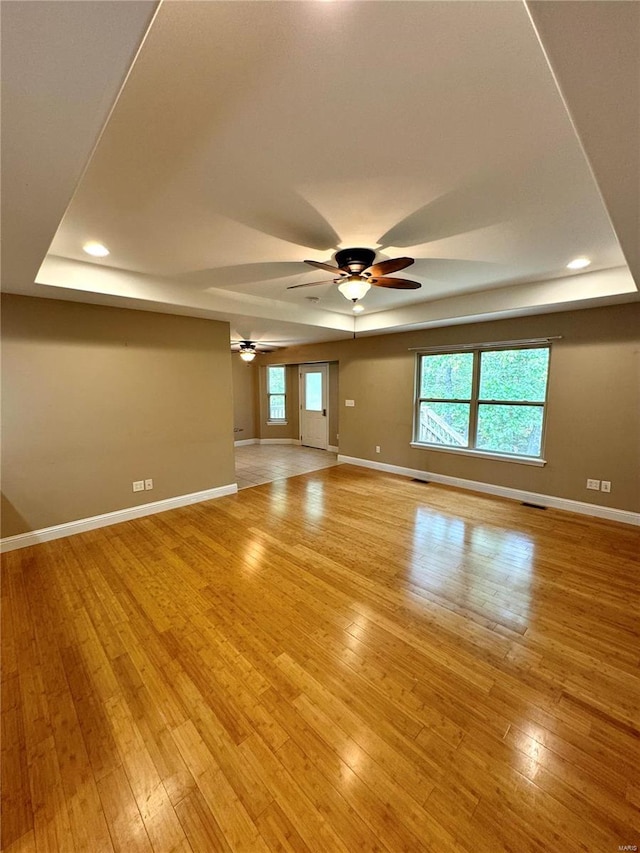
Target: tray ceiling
<point x="248" y="136"/>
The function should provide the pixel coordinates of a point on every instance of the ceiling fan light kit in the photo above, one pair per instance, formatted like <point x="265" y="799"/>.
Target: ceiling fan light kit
<point x="356" y="273"/>
<point x="247" y="351"/>
<point x="354" y="288"/>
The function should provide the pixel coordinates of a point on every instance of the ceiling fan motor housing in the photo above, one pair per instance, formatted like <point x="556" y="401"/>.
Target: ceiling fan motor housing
<point x="355" y="260"/>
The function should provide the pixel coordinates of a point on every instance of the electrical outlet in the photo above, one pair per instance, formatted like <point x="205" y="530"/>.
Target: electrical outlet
<point x="138" y="485"/>
<point x="593" y="484"/>
<point x="605" y="485"/>
<point x="377" y="448"/>
<point x="148" y="484"/>
<point x="349" y="402"/>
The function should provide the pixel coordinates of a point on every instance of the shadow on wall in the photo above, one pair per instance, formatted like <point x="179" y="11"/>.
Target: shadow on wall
<point x="11" y="518"/>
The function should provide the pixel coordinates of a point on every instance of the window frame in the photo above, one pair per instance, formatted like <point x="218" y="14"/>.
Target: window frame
<point x="271" y="394"/>
<point x="475" y="401"/>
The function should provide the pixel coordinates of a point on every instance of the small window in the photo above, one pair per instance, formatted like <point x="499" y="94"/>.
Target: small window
<point x="489" y="401"/>
<point x="276" y="394"/>
<point x="313" y="391"/>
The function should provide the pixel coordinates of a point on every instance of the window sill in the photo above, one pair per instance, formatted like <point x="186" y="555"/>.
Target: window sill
<point x="277" y="423"/>
<point x="481" y="454"/>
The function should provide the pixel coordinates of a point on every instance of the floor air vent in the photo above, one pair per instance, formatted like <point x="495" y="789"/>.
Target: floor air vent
<point x="533" y="506"/>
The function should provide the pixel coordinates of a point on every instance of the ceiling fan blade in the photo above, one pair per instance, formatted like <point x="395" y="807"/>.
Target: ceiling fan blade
<point x="396" y="283"/>
<point x="394" y="265"/>
<point x="309" y="284"/>
<point x="321" y="266"/>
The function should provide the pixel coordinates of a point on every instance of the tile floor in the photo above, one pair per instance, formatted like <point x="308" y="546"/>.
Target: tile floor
<point x="264" y="463"/>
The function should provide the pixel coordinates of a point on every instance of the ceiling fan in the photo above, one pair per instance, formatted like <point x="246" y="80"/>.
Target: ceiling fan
<point x="356" y="272"/>
<point x="248" y="349"/>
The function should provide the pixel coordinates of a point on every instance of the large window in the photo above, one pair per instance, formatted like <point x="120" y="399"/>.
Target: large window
<point x="276" y="394"/>
<point x="489" y="401"/>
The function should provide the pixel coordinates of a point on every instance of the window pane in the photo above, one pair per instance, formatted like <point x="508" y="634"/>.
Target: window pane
<point x="510" y="429"/>
<point x="276" y="382"/>
<point x="519" y="374"/>
<point x="447" y="376"/>
<point x="276" y="407"/>
<point x="313" y="392"/>
<point x="444" y="423"/>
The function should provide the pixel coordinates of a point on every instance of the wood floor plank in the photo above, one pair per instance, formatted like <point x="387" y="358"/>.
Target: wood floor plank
<point x="278" y="832"/>
<point x="24" y="844"/>
<point x="158" y="815"/>
<point x="17" y="809"/>
<point x="292" y="797"/>
<point x="222" y="800"/>
<point x="122" y="813"/>
<point x="199" y="825"/>
<point x="306" y="667"/>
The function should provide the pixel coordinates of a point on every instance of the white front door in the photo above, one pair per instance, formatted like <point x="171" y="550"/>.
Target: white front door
<point x="314" y="423"/>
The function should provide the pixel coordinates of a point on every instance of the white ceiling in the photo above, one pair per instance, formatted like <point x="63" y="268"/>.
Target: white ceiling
<point x="249" y="136"/>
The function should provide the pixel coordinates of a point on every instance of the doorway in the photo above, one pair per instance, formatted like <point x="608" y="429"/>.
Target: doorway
<point x="314" y="422"/>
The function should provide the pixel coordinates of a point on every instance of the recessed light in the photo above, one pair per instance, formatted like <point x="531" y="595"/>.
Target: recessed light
<point x="358" y="309"/>
<point x="97" y="250"/>
<point x="578" y="264"/>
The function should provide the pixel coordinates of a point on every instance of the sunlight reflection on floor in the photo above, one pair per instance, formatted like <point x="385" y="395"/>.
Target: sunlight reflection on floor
<point x="480" y="564"/>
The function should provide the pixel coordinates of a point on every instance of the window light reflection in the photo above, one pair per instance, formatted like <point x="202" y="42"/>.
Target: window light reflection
<point x="438" y="541"/>
<point x="356" y="758"/>
<point x="253" y="554"/>
<point x="278" y="498"/>
<point x="314" y="500"/>
<point x="478" y="565"/>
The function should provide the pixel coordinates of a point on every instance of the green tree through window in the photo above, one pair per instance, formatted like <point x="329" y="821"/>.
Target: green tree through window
<point x="491" y="400"/>
<point x="276" y="393"/>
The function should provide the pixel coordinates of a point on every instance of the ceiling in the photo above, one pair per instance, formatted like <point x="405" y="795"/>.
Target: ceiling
<point x="215" y="146"/>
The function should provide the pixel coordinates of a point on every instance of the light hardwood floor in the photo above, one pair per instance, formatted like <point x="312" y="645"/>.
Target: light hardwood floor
<point x="342" y="661"/>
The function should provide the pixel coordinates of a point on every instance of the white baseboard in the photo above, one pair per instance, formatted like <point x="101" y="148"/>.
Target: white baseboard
<point x="296" y="441"/>
<point x="272" y="441"/>
<point x="580" y="507"/>
<point x="70" y="528"/>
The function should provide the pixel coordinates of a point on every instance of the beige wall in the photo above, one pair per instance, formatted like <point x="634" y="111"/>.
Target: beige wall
<point x="96" y="397"/>
<point x="245" y="398"/>
<point x="593" y="421"/>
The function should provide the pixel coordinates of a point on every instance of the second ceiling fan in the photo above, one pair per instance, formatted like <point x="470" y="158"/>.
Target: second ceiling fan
<point x="356" y="273"/>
